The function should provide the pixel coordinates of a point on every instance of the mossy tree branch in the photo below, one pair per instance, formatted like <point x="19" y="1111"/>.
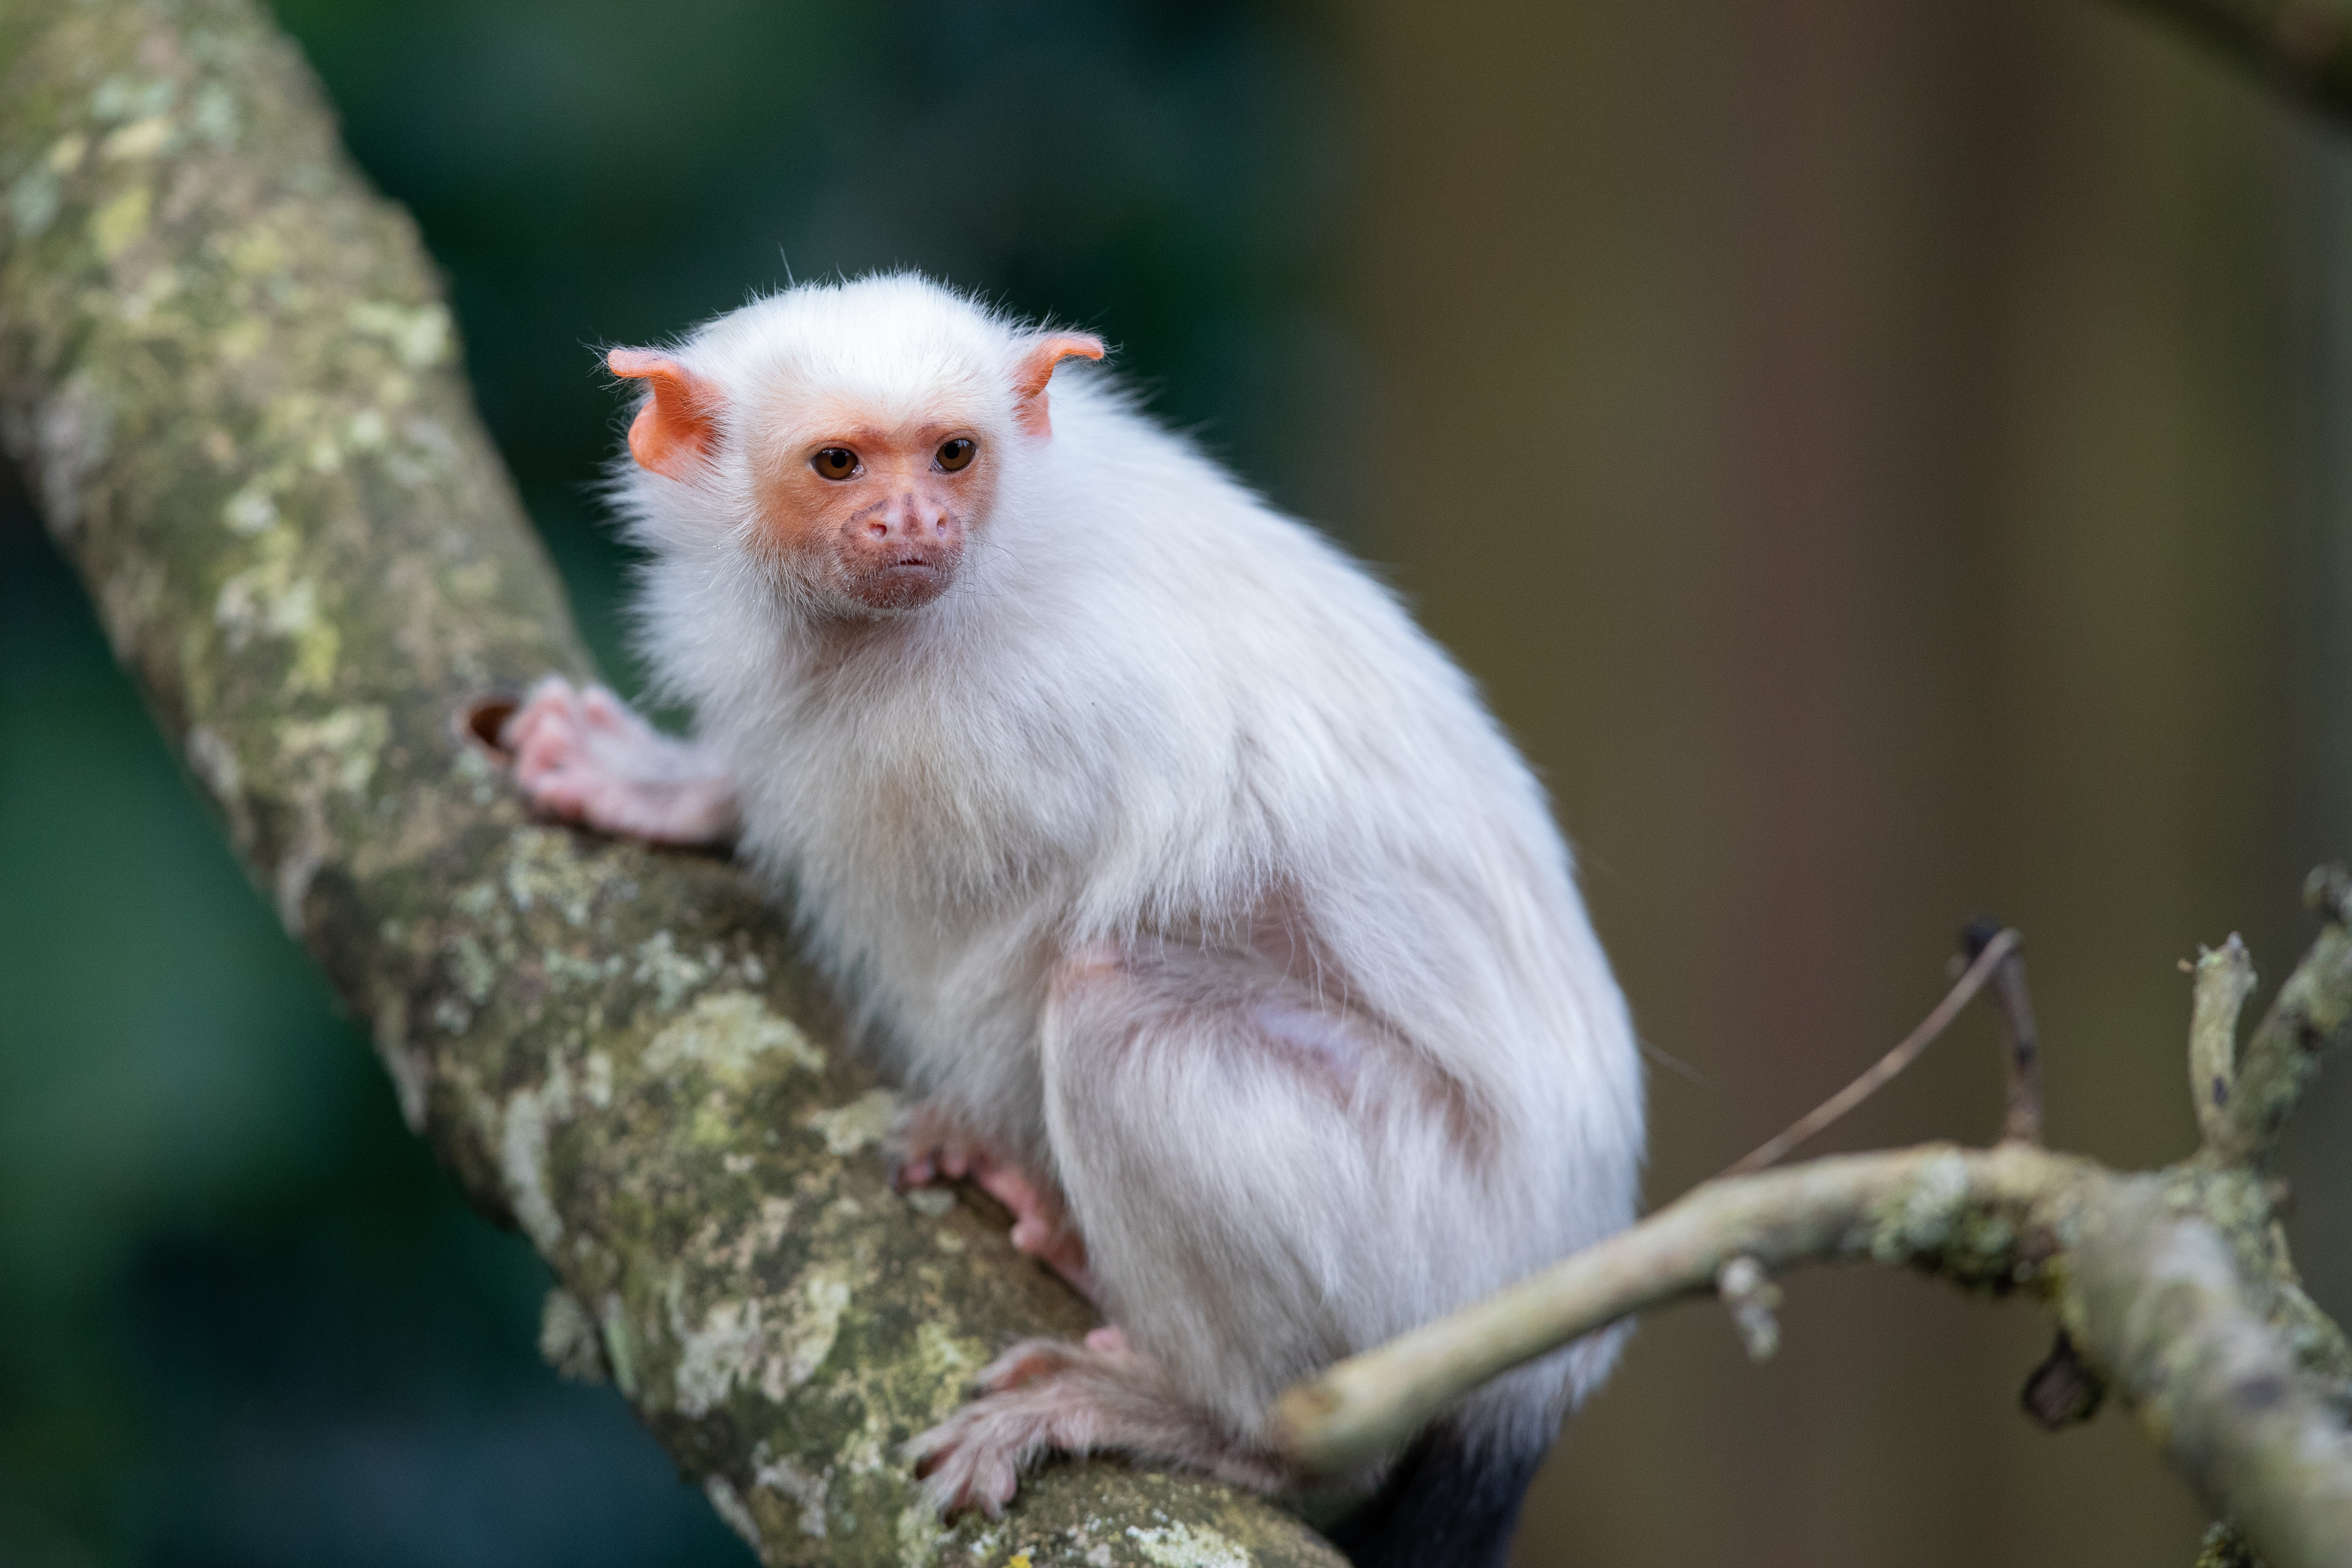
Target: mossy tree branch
<point x="2176" y="1286"/>
<point x="228" y="368"/>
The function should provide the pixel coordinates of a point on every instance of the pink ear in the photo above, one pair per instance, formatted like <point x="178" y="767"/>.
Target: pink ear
<point x="679" y="422"/>
<point x="1036" y="368"/>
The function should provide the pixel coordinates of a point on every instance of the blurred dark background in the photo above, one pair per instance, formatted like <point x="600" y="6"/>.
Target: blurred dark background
<point x="1885" y="460"/>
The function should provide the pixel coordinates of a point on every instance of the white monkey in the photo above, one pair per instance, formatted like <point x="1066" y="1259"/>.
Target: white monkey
<point x="1218" y="927"/>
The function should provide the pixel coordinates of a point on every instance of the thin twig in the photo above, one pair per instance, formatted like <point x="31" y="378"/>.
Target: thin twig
<point x="1887" y="1066"/>
<point x="2022" y="1124"/>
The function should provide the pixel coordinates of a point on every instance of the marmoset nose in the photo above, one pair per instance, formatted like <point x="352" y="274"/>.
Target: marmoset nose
<point x="910" y="522"/>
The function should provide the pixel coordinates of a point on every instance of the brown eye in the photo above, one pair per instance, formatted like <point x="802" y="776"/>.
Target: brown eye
<point x="834" y="463"/>
<point x="956" y="454"/>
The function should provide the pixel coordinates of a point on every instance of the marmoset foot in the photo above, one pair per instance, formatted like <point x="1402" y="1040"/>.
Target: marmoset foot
<point x="1046" y="1395"/>
<point x="932" y="1145"/>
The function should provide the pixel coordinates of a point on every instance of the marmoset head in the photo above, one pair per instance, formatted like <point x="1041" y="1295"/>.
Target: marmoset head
<point x="852" y="435"/>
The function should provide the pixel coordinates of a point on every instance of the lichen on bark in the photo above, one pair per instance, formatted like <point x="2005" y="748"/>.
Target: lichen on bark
<point x="228" y="369"/>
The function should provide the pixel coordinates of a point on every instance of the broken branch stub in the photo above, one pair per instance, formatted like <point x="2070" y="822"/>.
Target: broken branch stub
<point x="2224" y="979"/>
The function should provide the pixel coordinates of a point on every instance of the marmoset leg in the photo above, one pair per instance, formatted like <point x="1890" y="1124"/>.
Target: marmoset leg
<point x="581" y="755"/>
<point x="1216" y="1127"/>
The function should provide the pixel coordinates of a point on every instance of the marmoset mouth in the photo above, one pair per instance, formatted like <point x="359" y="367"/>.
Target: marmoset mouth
<point x="906" y="583"/>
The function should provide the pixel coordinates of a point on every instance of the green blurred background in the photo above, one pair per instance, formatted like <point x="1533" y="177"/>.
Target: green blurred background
<point x="1885" y="460"/>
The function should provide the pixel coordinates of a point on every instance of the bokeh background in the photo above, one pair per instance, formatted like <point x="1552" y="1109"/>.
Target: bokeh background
<point x="1886" y="460"/>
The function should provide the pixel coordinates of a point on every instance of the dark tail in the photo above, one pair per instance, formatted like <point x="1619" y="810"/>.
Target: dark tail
<point x="1449" y="1503"/>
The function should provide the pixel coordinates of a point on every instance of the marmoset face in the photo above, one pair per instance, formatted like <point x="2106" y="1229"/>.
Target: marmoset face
<point x="877" y="513"/>
<point x="858" y="467"/>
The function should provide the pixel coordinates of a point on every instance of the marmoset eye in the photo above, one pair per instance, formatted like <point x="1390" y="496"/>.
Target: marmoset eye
<point x="957" y="454"/>
<point x="834" y="463"/>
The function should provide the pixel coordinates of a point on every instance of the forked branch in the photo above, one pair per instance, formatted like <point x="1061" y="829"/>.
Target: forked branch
<point x="2172" y="1287"/>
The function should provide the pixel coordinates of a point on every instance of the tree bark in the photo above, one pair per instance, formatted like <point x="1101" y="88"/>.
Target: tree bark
<point x="228" y="368"/>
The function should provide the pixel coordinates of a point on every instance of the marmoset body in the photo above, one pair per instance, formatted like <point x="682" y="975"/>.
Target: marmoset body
<point x="1188" y="885"/>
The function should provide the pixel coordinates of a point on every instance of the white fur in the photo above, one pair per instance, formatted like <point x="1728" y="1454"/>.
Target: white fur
<point x="1167" y="851"/>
